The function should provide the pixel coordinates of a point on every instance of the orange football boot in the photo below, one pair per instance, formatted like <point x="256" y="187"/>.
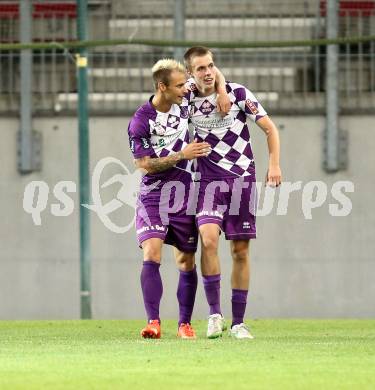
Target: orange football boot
<point x="185" y="331"/>
<point x="152" y="330"/>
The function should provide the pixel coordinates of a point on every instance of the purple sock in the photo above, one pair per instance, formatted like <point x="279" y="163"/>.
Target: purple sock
<point x="239" y="300"/>
<point x="152" y="288"/>
<point x="187" y="288"/>
<point x="211" y="285"/>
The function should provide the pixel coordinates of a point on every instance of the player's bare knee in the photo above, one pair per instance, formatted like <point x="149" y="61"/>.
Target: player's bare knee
<point x="185" y="262"/>
<point x="240" y="251"/>
<point x="240" y="257"/>
<point x="152" y="253"/>
<point x="152" y="249"/>
<point x="210" y="243"/>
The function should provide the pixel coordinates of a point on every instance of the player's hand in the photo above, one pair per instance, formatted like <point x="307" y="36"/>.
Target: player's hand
<point x="273" y="177"/>
<point x="196" y="149"/>
<point x="223" y="103"/>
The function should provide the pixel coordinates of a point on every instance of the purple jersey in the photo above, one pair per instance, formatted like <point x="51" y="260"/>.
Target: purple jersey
<point x="159" y="134"/>
<point x="229" y="137"/>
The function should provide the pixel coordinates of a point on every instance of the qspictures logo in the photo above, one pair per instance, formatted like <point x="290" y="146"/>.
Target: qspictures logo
<point x="37" y="193"/>
<point x="174" y="195"/>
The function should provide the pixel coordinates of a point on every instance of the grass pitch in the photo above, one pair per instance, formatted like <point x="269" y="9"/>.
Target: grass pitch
<point x="286" y="354"/>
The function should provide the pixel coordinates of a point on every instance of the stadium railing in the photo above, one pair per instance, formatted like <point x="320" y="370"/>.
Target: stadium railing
<point x="287" y="79"/>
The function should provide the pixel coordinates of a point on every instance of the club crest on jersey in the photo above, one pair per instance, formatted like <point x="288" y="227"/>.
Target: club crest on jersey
<point x="157" y="128"/>
<point x="173" y="121"/>
<point x="184" y="112"/>
<point x="206" y="107"/>
<point x="193" y="110"/>
<point x="145" y="143"/>
<point x="193" y="87"/>
<point x="252" y="107"/>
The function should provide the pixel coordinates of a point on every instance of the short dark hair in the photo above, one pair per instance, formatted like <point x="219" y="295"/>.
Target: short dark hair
<point x="195" y="51"/>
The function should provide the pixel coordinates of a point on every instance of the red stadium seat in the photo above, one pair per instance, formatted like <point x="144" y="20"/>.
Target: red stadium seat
<point x="352" y="8"/>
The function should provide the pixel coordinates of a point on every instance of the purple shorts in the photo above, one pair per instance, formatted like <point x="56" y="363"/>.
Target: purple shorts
<point x="174" y="228"/>
<point x="229" y="203"/>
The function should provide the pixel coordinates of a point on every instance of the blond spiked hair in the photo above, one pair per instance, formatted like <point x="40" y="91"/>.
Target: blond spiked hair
<point x="162" y="70"/>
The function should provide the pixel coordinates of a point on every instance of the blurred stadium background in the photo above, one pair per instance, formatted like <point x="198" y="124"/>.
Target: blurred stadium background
<point x="321" y="267"/>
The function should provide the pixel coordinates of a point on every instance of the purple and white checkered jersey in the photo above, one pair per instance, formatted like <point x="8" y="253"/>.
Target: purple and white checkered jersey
<point x="159" y="134"/>
<point x="229" y="137"/>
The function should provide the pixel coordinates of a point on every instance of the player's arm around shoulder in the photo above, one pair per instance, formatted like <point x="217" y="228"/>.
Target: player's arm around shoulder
<point x="223" y="102"/>
<point x="160" y="164"/>
<point x="273" y="177"/>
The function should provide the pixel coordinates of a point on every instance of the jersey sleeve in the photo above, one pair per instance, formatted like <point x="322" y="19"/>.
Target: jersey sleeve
<point x="249" y="104"/>
<point x="140" y="138"/>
